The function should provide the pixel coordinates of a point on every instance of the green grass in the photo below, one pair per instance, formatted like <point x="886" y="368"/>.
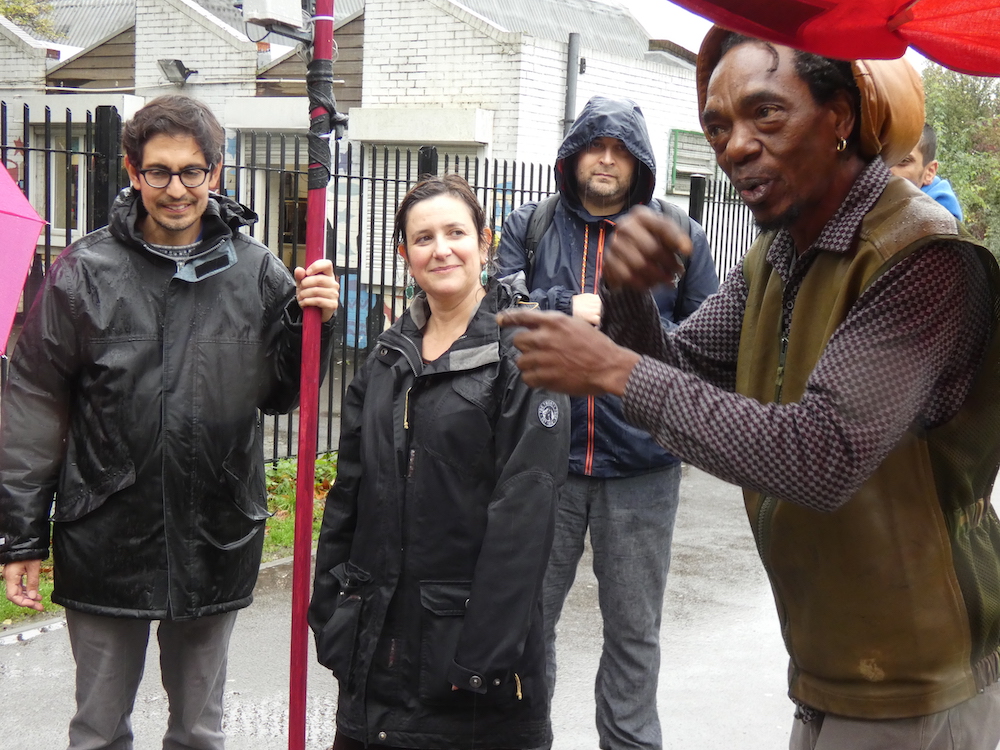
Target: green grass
<point x="279" y="531"/>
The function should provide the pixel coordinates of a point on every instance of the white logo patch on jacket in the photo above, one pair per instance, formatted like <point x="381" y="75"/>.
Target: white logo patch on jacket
<point x="548" y="413"/>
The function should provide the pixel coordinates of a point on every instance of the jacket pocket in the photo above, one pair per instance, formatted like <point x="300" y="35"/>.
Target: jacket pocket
<point x="236" y="512"/>
<point x="97" y="463"/>
<point x="442" y="617"/>
<point x="336" y="643"/>
<point x="79" y="495"/>
<point x="246" y="479"/>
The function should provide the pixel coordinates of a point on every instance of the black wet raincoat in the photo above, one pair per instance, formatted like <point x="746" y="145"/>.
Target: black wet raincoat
<point x="133" y="399"/>
<point x="435" y="539"/>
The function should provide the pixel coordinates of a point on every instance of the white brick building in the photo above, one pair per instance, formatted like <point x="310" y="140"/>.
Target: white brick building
<point x="226" y="60"/>
<point x="25" y="59"/>
<point x="484" y="79"/>
<point x="479" y="78"/>
<point x="436" y="72"/>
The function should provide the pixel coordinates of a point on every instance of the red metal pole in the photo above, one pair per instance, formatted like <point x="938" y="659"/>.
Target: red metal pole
<point x="308" y="421"/>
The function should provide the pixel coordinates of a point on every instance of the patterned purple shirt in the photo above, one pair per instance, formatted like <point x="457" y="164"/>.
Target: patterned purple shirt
<point x="903" y="358"/>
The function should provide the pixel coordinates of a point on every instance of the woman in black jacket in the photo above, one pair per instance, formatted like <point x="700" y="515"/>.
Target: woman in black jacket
<point x="427" y="598"/>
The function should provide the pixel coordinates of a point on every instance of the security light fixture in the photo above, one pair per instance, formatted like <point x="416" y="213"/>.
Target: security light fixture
<point x="174" y="70"/>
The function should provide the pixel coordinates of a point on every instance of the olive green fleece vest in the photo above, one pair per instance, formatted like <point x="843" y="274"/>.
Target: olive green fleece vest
<point x="890" y="605"/>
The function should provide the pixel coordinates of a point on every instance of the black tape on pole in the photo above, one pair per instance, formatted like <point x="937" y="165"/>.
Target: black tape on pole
<point x="324" y="118"/>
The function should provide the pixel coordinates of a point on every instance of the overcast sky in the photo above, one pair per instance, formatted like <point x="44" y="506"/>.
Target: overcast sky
<point x="664" y="20"/>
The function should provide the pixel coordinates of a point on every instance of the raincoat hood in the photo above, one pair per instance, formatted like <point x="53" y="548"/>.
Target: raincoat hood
<point x="604" y="117"/>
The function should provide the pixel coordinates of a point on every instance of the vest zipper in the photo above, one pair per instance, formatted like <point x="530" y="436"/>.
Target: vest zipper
<point x="768" y="504"/>
<point x="780" y="379"/>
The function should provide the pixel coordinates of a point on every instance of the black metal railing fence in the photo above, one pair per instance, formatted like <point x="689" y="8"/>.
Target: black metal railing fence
<point x="71" y="169"/>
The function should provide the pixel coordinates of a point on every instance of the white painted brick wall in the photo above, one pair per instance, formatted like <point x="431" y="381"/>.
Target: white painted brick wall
<point x="417" y="53"/>
<point x="22" y="70"/>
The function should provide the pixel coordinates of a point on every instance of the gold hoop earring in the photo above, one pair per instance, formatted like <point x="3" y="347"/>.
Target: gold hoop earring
<point x="842" y="145"/>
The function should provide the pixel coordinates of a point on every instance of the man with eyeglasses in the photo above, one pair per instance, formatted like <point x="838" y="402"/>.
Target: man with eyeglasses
<point x="131" y="415"/>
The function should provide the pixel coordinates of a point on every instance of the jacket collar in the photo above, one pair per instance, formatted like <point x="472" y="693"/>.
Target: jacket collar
<point x="222" y="219"/>
<point x="477" y="347"/>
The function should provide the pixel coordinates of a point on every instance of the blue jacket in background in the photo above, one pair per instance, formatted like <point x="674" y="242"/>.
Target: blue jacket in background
<point x="940" y="190"/>
<point x="603" y="443"/>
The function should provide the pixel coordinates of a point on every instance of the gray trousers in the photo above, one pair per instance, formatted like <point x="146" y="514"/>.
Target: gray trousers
<point x="631" y="522"/>
<point x="110" y="654"/>
<point x="971" y="725"/>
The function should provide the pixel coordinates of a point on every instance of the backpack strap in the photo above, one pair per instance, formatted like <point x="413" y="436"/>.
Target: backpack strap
<point x="539" y="222"/>
<point x="678" y="215"/>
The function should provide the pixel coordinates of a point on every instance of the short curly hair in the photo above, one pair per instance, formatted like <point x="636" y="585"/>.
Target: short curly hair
<point x="174" y="115"/>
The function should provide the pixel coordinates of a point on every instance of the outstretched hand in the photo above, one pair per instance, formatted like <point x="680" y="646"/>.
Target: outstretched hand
<point x="567" y="354"/>
<point x="316" y="286"/>
<point x="647" y="249"/>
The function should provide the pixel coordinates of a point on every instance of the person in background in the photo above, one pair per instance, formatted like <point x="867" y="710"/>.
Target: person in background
<point x="845" y="375"/>
<point x="920" y="167"/>
<point x="131" y="414"/>
<point x="427" y="602"/>
<point x="621" y="484"/>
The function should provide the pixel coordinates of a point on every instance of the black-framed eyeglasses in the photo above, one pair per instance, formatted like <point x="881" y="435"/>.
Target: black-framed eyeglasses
<point x="191" y="177"/>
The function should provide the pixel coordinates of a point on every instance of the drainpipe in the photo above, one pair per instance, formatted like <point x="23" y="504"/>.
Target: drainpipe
<point x="572" y="74"/>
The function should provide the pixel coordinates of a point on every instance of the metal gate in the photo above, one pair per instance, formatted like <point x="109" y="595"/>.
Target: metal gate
<point x="71" y="170"/>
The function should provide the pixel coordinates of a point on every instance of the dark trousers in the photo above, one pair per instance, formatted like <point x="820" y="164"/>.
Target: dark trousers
<point x="341" y="742"/>
<point x="110" y="654"/>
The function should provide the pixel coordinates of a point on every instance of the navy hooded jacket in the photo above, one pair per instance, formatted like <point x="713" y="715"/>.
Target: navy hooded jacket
<point x="603" y="443"/>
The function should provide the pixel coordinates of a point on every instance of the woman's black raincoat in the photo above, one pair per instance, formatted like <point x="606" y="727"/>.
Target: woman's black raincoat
<point x="435" y="539"/>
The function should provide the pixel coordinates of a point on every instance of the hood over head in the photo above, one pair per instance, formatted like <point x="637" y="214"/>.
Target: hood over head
<point x="607" y="117"/>
<point x="892" y="99"/>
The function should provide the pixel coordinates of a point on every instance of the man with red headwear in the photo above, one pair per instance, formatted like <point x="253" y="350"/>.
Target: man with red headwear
<point x="845" y="376"/>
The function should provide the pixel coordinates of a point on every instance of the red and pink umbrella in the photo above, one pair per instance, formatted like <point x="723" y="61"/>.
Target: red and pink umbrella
<point x="959" y="34"/>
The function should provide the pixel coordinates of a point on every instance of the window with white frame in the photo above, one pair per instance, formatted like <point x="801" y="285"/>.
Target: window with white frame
<point x="688" y="154"/>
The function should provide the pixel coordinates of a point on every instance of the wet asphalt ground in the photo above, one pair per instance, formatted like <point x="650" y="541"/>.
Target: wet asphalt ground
<point x="722" y="680"/>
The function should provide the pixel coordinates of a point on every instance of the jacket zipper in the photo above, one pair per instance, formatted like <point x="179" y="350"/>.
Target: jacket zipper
<point x="782" y="351"/>
<point x="406" y="409"/>
<point x="588" y="466"/>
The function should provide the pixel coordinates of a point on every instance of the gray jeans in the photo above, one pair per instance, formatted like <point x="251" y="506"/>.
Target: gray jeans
<point x="110" y="654"/>
<point x="631" y="523"/>
<point x="971" y="725"/>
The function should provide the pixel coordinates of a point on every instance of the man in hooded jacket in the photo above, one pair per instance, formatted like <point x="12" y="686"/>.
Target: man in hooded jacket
<point x="621" y="484"/>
